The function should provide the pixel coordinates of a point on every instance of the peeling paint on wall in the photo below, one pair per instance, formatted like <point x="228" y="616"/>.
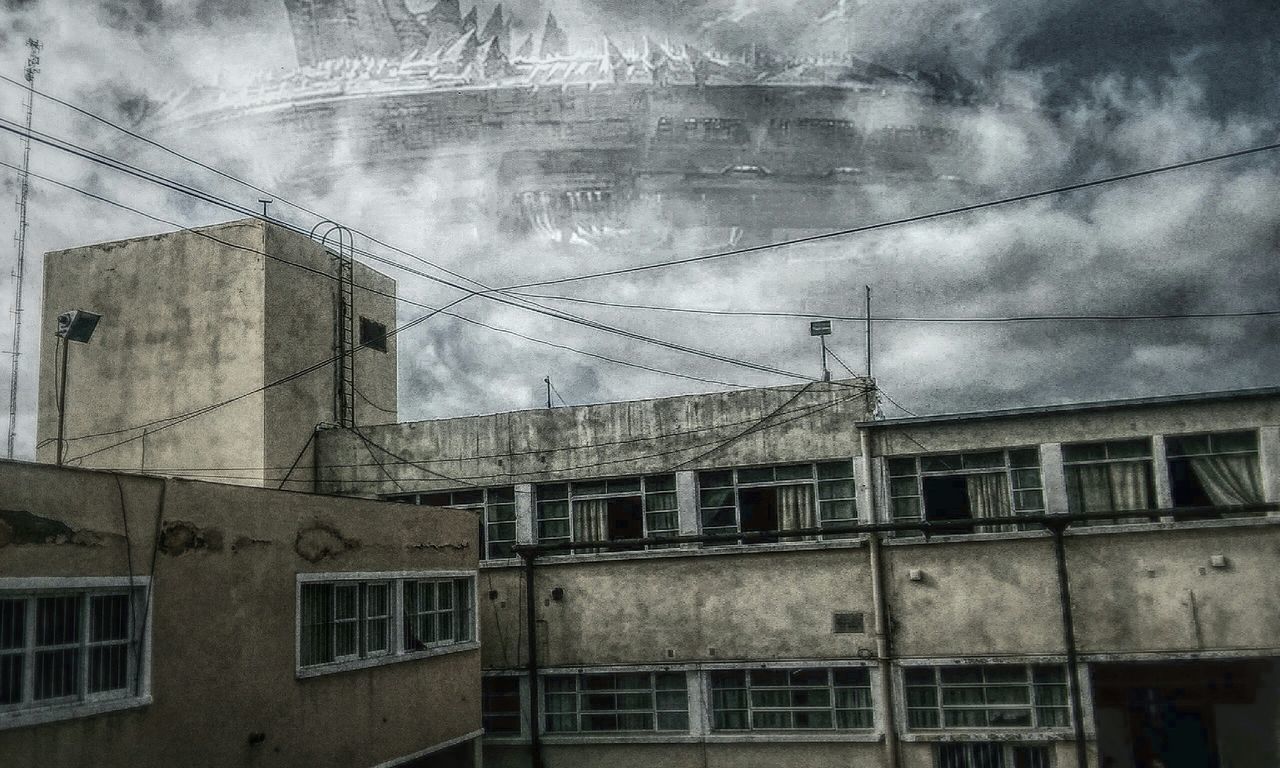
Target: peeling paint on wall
<point x="178" y="538"/>
<point x="320" y="541"/>
<point x="19" y="527"/>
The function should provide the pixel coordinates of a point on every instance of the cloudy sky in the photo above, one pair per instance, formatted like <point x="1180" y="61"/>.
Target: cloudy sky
<point x="1077" y="89"/>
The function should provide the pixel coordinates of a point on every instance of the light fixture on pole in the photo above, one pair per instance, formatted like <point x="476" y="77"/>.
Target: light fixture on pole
<point x="822" y="329"/>
<point x="76" y="325"/>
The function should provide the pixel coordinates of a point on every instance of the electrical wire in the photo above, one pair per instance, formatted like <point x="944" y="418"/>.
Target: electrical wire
<point x="557" y="393"/>
<point x="1092" y="317"/>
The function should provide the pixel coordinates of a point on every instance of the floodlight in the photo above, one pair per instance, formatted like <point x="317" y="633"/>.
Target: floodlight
<point x="77" y="325"/>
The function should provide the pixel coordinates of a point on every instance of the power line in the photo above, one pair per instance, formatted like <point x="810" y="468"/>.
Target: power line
<point x="915" y="219"/>
<point x="917" y="319"/>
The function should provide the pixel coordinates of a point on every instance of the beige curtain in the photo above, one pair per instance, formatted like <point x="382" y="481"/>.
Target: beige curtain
<point x="1229" y="479"/>
<point x="1109" y="488"/>
<point x="989" y="498"/>
<point x="591" y="521"/>
<point x="796" y="509"/>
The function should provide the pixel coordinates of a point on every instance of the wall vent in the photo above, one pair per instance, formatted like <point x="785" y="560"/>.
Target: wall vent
<point x="848" y="623"/>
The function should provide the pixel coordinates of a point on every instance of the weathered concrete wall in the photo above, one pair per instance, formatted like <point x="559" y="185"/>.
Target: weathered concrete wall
<point x="182" y="328"/>
<point x="193" y="319"/>
<point x="608" y="440"/>
<point x="711" y="607"/>
<point x="300" y="311"/>
<point x="223" y="659"/>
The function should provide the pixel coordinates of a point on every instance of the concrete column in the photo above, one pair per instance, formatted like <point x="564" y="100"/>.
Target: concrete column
<point x="867" y="506"/>
<point x="1160" y="474"/>
<point x="1054" y="479"/>
<point x="699" y="709"/>
<point x="687" y="502"/>
<point x="524" y="513"/>
<point x="1269" y="462"/>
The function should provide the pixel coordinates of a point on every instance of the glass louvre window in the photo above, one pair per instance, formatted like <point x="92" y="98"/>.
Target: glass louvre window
<point x="616" y="702"/>
<point x="608" y="510"/>
<point x="347" y="621"/>
<point x="992" y="755"/>
<point x="344" y="621"/>
<point x="1109" y="477"/>
<point x="1215" y="470"/>
<point x="67" y="647"/>
<point x="500" y="704"/>
<point x="967" y="486"/>
<point x="778" y="498"/>
<point x="437" y="612"/>
<point x="994" y="696"/>
<point x="791" y="699"/>
<point x="497" y="507"/>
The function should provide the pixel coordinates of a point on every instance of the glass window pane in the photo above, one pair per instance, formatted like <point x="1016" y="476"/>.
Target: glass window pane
<point x="756" y="475"/>
<point x="794" y="472"/>
<point x="718" y="479"/>
<point x="108" y="667"/>
<point x="829" y="470"/>
<point x="13" y="623"/>
<point x="57" y="673"/>
<point x="655" y="483"/>
<point x="553" y="491"/>
<point x="1128" y="449"/>
<point x="1088" y="452"/>
<point x="836" y="489"/>
<point x="624" y="485"/>
<point x="108" y="618"/>
<point x="1235" y="442"/>
<point x="590" y="488"/>
<point x="984" y="460"/>
<point x="901" y="467"/>
<point x="717" y="498"/>
<point x="502" y="495"/>
<point x="57" y="620"/>
<point x="951" y="463"/>
<point x="1024" y="457"/>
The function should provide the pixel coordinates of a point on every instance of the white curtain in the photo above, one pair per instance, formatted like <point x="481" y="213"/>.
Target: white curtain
<point x="796" y="509"/>
<point x="989" y="497"/>
<point x="1229" y="479"/>
<point x="591" y="521"/>
<point x="1109" y="487"/>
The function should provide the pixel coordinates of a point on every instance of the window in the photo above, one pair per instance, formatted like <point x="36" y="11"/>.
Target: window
<point x="61" y="649"/>
<point x="500" y="703"/>
<point x="1215" y="470"/>
<point x="497" y="509"/>
<point x="608" y="510"/>
<point x="778" y="498"/>
<point x="373" y="334"/>
<point x="791" y="699"/>
<point x="616" y="702"/>
<point x="967" y="486"/>
<point x="346" y="622"/>
<point x="992" y="755"/>
<point x="1109" y="477"/>
<point x="996" y="696"/>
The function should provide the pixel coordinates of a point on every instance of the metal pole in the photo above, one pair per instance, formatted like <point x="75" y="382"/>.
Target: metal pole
<point x="880" y="606"/>
<point x="868" y="331"/>
<point x="548" y="381"/>
<point x="24" y="186"/>
<point x="531" y="618"/>
<point x="1069" y="639"/>
<point x="62" y="400"/>
<point x="826" y="375"/>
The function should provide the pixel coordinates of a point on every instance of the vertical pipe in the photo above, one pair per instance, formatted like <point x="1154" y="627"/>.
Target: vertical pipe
<point x="62" y="401"/>
<point x="1069" y="639"/>
<point x="868" y="331"/>
<point x="531" y="618"/>
<point x="880" y="612"/>
<point x="548" y="381"/>
<point x="826" y="375"/>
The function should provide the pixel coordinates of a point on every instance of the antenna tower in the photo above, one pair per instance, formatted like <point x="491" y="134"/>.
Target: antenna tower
<point x="20" y="239"/>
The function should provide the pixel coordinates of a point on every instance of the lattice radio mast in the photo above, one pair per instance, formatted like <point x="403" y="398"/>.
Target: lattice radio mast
<point x="20" y="239"/>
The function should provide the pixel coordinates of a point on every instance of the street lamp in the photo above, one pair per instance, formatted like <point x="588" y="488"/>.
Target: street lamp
<point x="76" y="325"/>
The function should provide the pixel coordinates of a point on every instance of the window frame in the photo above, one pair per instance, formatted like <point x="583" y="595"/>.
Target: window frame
<point x="814" y="480"/>
<point x="1030" y="683"/>
<point x="488" y="508"/>
<point x="831" y="687"/>
<point x="1209" y="436"/>
<point x="1106" y="445"/>
<point x="397" y="650"/>
<point x="581" y="693"/>
<point x="84" y="703"/>
<point x="1007" y="468"/>
<point x="644" y="493"/>
<point x="1006" y="749"/>
<point x="373" y="340"/>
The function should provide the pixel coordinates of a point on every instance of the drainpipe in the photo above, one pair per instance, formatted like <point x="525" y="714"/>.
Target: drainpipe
<point x="1059" y="527"/>
<point x="880" y="613"/>
<point x="531" y="618"/>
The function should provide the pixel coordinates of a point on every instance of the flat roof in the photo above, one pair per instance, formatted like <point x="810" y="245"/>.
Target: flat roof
<point x="1095" y="405"/>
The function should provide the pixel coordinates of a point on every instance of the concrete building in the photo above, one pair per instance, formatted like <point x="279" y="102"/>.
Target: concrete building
<point x="158" y="622"/>
<point x="774" y="577"/>
<point x="205" y="316"/>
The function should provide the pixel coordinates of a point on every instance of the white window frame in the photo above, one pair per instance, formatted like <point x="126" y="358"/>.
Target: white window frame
<point x="1256" y="453"/>
<point x="580" y="712"/>
<point x="941" y="730"/>
<point x="644" y="493"/>
<point x="812" y="480"/>
<point x="396" y="651"/>
<point x="1153" y="469"/>
<point x="137" y="691"/>
<point x="830" y="688"/>
<point x="1007" y="469"/>
<point x="485" y="508"/>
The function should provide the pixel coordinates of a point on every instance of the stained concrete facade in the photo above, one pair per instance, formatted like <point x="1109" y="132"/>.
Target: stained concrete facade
<point x="220" y="568"/>
<point x="1181" y="593"/>
<point x="201" y="317"/>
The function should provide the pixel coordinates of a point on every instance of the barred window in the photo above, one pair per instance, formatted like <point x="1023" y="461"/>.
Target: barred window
<point x="778" y="498"/>
<point x="60" y="648"/>
<point x="992" y="755"/>
<point x="791" y="699"/>
<point x="994" y="696"/>
<point x="352" y="621"/>
<point x="616" y="702"/>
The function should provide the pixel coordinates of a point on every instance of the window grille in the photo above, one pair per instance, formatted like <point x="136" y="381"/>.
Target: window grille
<point x="791" y="699"/>
<point x="616" y="702"/>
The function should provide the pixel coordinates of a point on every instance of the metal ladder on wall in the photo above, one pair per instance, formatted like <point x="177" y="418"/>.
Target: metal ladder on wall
<point x="344" y="370"/>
